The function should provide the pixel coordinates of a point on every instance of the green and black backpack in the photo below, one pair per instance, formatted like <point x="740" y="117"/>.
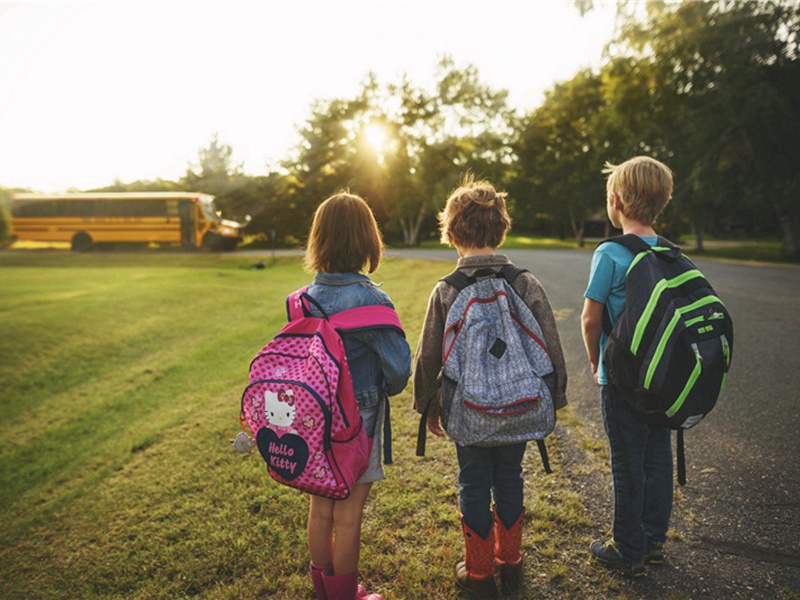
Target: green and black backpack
<point x="670" y="350"/>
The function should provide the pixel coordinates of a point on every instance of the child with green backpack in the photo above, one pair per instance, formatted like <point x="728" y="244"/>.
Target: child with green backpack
<point x="638" y="190"/>
<point x="660" y="342"/>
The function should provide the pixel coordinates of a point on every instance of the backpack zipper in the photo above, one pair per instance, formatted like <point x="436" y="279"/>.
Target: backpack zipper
<point x="698" y="367"/>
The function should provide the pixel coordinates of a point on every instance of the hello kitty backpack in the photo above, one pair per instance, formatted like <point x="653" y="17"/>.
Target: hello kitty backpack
<point x="300" y="404"/>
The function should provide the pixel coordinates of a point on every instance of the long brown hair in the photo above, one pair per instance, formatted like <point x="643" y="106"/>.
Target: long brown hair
<point x="344" y="236"/>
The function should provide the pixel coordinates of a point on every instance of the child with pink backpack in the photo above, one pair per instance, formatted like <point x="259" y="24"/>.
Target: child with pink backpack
<point x="316" y="430"/>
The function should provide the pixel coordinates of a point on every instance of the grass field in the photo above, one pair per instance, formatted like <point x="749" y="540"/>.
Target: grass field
<point x="121" y="377"/>
<point x="767" y="250"/>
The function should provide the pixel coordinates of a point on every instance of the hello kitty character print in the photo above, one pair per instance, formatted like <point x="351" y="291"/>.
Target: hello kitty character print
<point x="280" y="410"/>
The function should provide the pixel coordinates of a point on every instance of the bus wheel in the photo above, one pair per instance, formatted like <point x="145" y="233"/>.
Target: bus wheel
<point x="211" y="242"/>
<point x="81" y="242"/>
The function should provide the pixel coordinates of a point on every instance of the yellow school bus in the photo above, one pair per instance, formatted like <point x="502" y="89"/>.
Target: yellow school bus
<point x="94" y="220"/>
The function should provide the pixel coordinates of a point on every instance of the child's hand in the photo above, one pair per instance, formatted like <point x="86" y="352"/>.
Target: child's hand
<point x="434" y="426"/>
<point x="594" y="373"/>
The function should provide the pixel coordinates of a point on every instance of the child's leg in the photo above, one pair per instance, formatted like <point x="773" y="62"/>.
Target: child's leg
<point x="320" y="530"/>
<point x="508" y="502"/>
<point x="627" y="440"/>
<point x="475" y="492"/>
<point x="476" y="572"/>
<point x="658" y="485"/>
<point x="508" y="484"/>
<point x="347" y="517"/>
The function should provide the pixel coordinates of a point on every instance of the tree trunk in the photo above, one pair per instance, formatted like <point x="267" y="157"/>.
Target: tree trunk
<point x="697" y="232"/>
<point x="411" y="227"/>
<point x="406" y="231"/>
<point x="578" y="229"/>
<point x="789" y="229"/>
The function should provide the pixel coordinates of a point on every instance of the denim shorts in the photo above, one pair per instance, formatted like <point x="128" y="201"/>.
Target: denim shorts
<point x="373" y="422"/>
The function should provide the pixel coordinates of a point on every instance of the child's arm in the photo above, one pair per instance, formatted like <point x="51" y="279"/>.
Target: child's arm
<point x="428" y="362"/>
<point x="592" y="326"/>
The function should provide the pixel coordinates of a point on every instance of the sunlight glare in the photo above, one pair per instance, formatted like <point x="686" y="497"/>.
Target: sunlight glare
<point x="376" y="137"/>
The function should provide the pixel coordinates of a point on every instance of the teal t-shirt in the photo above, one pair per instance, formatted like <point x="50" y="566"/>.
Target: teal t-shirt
<point x="610" y="263"/>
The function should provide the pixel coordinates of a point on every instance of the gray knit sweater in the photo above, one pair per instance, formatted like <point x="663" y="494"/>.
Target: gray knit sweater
<point x="428" y="358"/>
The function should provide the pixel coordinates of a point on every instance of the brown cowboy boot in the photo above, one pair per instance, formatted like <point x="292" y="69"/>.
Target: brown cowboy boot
<point x="507" y="556"/>
<point x="476" y="573"/>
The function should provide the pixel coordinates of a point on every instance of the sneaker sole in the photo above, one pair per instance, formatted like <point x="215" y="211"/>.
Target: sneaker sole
<point x="628" y="572"/>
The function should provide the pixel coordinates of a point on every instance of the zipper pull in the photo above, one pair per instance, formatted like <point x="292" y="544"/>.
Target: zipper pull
<point x="726" y="349"/>
<point x="697" y="353"/>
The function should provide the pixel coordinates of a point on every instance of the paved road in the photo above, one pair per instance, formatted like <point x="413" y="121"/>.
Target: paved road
<point x="741" y="506"/>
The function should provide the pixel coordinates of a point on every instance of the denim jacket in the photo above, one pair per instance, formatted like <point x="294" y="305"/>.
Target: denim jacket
<point x="379" y="359"/>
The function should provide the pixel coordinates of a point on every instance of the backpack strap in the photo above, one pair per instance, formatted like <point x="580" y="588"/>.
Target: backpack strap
<point x="459" y="280"/>
<point x="637" y="245"/>
<point x="297" y="305"/>
<point x="354" y="319"/>
<point x="681" y="458"/>
<point x="361" y="318"/>
<point x="511" y="272"/>
<point x="630" y="241"/>
<point x="294" y="305"/>
<point x="422" y="431"/>
<point x="543" y="454"/>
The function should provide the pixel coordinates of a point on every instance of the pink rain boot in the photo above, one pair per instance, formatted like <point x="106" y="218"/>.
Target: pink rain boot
<point x="316" y="578"/>
<point x="345" y="587"/>
<point x="319" y="585"/>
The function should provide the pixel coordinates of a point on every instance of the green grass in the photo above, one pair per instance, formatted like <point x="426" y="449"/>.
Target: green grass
<point x="121" y="378"/>
<point x="761" y="251"/>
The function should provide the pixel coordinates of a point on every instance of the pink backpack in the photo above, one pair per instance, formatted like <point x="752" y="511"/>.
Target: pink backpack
<point x="300" y="404"/>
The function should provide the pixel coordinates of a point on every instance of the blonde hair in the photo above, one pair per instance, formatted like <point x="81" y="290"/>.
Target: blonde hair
<point x="344" y="236"/>
<point x="474" y="216"/>
<point x="643" y="185"/>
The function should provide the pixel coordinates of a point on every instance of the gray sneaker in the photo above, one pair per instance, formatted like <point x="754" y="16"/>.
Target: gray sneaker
<point x="654" y="554"/>
<point x="608" y="554"/>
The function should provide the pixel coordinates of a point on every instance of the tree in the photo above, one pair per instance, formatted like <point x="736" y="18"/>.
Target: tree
<point x="5" y="217"/>
<point x="721" y="104"/>
<point x="429" y="140"/>
<point x="560" y="155"/>
<point x="215" y="172"/>
<point x="465" y="126"/>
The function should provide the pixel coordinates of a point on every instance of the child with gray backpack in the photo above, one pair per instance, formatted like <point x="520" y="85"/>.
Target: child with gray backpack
<point x="490" y="371"/>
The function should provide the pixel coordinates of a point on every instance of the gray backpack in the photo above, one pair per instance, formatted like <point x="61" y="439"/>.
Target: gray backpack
<point x="498" y="381"/>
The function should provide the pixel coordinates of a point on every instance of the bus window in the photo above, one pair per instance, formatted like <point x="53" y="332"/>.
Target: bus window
<point x="172" y="209"/>
<point x="40" y="208"/>
<point x="80" y="208"/>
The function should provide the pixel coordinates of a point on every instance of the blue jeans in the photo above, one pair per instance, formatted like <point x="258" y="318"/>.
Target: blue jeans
<point x="486" y="472"/>
<point x="641" y="468"/>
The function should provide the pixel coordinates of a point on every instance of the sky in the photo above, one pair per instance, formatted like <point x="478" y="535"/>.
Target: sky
<point x="95" y="92"/>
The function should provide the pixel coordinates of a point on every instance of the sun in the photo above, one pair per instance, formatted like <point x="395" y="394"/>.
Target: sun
<point x="376" y="137"/>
